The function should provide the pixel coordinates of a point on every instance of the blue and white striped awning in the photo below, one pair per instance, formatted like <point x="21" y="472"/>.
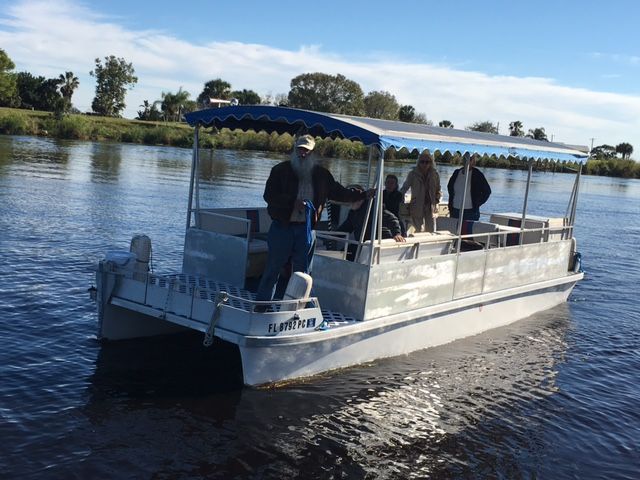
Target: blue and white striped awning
<point x="383" y="133"/>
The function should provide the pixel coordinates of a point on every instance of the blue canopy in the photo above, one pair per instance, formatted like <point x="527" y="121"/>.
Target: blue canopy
<point x="383" y="133"/>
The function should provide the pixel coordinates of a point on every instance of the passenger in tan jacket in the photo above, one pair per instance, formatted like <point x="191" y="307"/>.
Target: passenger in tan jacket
<point x="424" y="183"/>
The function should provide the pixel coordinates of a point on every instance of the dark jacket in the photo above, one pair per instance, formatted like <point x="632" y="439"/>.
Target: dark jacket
<point x="355" y="222"/>
<point x="281" y="191"/>
<point x="480" y="189"/>
<point x="392" y="201"/>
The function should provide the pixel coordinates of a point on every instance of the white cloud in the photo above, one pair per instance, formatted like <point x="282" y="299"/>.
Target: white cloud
<point x="49" y="38"/>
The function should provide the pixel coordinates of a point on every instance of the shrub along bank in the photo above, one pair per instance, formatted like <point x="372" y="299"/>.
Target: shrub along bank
<point x="97" y="128"/>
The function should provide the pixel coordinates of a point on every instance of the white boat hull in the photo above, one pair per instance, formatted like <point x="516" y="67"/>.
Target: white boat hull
<point x="266" y="360"/>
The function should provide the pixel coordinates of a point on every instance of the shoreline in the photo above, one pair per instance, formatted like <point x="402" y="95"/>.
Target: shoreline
<point x="97" y="128"/>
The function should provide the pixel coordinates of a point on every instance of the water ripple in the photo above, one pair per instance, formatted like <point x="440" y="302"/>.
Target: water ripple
<point x="554" y="396"/>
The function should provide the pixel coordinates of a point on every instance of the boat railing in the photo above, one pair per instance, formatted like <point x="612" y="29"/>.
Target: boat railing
<point x="330" y="237"/>
<point x="198" y="288"/>
<point x="507" y="236"/>
<point x="493" y="236"/>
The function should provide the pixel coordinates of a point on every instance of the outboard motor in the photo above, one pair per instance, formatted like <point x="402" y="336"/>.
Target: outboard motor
<point x="141" y="247"/>
<point x="299" y="287"/>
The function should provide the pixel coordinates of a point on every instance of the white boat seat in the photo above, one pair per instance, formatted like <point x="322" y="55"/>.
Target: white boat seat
<point x="534" y="222"/>
<point x="470" y="227"/>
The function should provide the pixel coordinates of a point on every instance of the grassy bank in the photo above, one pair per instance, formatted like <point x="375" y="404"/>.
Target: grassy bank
<point x="95" y="128"/>
<point x="85" y="127"/>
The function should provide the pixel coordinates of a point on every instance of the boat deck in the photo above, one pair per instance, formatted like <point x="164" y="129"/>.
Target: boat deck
<point x="209" y="290"/>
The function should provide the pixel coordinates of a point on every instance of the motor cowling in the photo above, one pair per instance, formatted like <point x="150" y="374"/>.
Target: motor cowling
<point x="299" y="287"/>
<point x="141" y="247"/>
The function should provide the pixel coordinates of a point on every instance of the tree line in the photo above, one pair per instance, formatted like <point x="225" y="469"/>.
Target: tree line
<point x="311" y="91"/>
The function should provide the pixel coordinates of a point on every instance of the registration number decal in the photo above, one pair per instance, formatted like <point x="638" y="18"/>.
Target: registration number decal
<point x="294" y="324"/>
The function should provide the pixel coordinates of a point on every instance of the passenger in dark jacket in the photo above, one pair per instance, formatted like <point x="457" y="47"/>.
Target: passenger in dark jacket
<point x="393" y="198"/>
<point x="355" y="222"/>
<point x="477" y="195"/>
<point x="296" y="192"/>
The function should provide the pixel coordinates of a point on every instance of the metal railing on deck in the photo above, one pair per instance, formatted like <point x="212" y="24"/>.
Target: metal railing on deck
<point x="206" y="289"/>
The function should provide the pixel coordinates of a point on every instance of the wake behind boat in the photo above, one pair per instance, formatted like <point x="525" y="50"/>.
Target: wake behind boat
<point x="394" y="298"/>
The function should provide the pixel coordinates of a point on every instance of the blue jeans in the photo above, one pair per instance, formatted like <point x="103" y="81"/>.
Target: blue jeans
<point x="284" y="243"/>
<point x="468" y="214"/>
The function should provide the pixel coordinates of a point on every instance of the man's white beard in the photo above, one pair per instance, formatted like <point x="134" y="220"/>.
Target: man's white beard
<point x="303" y="167"/>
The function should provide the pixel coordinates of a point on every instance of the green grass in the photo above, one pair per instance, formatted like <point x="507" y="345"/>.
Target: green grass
<point x="95" y="128"/>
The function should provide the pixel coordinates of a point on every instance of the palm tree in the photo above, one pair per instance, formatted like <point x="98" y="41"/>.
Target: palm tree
<point x="538" y="134"/>
<point x="516" y="129"/>
<point x="150" y="111"/>
<point x="625" y="149"/>
<point x="69" y="83"/>
<point x="172" y="104"/>
<point x="217" y="88"/>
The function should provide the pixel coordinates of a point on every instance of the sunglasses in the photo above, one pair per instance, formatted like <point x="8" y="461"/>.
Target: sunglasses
<point x="424" y="161"/>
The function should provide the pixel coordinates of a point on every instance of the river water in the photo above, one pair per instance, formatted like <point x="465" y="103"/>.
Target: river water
<point x="553" y="396"/>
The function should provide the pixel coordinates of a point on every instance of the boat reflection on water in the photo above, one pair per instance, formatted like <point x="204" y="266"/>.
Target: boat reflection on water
<point x="470" y="406"/>
<point x="451" y="410"/>
<point x="166" y="366"/>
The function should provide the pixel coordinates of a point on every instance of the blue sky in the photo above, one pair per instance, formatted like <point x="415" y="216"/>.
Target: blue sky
<point x="571" y="67"/>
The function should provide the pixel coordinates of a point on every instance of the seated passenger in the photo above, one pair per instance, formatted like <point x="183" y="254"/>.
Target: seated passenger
<point x="392" y="198"/>
<point x="354" y="223"/>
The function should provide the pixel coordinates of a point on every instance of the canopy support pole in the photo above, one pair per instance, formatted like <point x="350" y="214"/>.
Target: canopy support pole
<point x="369" y="203"/>
<point x="570" y="203"/>
<point x="467" y="163"/>
<point x="197" y="176"/>
<point x="369" y="166"/>
<point x="568" y="212"/>
<point x="378" y="203"/>
<point x="193" y="170"/>
<point x="574" y="207"/>
<point x="526" y="200"/>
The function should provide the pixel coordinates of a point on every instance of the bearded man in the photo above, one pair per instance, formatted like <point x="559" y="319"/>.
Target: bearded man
<point x="296" y="192"/>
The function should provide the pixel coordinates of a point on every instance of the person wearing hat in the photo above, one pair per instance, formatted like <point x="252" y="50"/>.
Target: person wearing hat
<point x="296" y="192"/>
